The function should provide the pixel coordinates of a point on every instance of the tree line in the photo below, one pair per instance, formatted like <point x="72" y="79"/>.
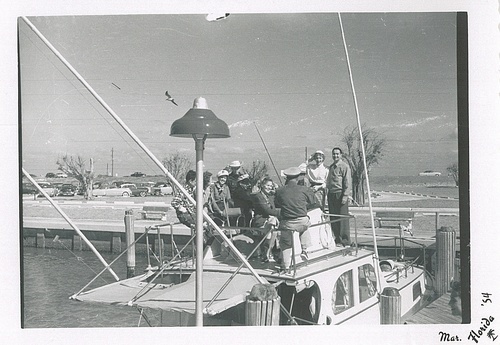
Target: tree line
<point x="178" y="164"/>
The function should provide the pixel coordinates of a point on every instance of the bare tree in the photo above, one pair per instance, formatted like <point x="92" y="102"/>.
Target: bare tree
<point x="374" y="144"/>
<point x="453" y="171"/>
<point x="75" y="167"/>
<point x="178" y="164"/>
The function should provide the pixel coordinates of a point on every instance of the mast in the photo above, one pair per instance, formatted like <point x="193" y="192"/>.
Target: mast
<point x="377" y="266"/>
<point x="268" y="154"/>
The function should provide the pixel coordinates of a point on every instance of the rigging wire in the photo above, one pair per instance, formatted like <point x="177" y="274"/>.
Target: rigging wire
<point x="358" y="120"/>
<point x="78" y="258"/>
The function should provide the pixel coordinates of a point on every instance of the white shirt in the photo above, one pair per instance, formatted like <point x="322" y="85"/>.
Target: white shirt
<point x="316" y="174"/>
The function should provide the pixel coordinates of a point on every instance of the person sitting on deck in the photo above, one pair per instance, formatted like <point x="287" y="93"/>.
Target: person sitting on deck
<point x="183" y="207"/>
<point x="219" y="198"/>
<point x="242" y="199"/>
<point x="185" y="210"/>
<point x="294" y="201"/>
<point x="265" y="215"/>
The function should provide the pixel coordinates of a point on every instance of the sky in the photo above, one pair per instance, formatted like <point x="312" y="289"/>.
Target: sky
<point x="283" y="74"/>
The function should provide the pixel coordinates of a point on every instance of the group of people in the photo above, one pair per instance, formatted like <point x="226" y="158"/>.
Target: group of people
<point x="263" y="206"/>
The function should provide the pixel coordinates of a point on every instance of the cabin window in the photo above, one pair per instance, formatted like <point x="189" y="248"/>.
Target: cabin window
<point x="417" y="291"/>
<point x="367" y="282"/>
<point x="342" y="293"/>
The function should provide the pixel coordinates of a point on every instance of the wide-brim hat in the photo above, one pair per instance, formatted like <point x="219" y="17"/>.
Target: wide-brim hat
<point x="292" y="172"/>
<point x="319" y="152"/>
<point x="222" y="173"/>
<point x="235" y="164"/>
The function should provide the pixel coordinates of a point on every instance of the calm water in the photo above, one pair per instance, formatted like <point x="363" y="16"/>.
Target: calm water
<point x="52" y="275"/>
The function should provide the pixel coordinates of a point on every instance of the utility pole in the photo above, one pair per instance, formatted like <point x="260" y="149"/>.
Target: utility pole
<point x="112" y="162"/>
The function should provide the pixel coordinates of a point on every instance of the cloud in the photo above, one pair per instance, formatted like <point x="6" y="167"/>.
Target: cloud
<point x="240" y="124"/>
<point x="414" y="123"/>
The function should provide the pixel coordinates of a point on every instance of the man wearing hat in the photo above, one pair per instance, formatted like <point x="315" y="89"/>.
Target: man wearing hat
<point x="235" y="171"/>
<point x="242" y="198"/>
<point x="294" y="201"/>
<point x="316" y="175"/>
<point x="302" y="177"/>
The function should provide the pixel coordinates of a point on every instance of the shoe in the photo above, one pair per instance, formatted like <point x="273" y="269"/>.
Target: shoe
<point x="268" y="259"/>
<point x="304" y="255"/>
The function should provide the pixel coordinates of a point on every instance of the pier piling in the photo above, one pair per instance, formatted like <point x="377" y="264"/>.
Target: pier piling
<point x="263" y="306"/>
<point x="445" y="253"/>
<point x="390" y="307"/>
<point x="129" y="239"/>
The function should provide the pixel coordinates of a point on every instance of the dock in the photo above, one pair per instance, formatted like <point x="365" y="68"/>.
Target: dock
<point x="437" y="312"/>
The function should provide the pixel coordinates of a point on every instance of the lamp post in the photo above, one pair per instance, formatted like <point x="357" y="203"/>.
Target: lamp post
<point x="199" y="123"/>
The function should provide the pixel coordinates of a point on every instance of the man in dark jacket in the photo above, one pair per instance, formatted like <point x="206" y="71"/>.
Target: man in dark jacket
<point x="294" y="201"/>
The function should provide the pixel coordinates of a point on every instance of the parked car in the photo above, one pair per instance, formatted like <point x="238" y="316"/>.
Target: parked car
<point x="61" y="175"/>
<point x="430" y="173"/>
<point x="117" y="184"/>
<point x="29" y="188"/>
<point x="148" y="185"/>
<point x="68" y="189"/>
<point x="112" y="192"/>
<point x="50" y="175"/>
<point x="136" y="191"/>
<point x="162" y="188"/>
<point x="138" y="174"/>
<point x="48" y="188"/>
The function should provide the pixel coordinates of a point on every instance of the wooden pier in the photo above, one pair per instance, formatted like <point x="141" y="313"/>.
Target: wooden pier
<point x="437" y="312"/>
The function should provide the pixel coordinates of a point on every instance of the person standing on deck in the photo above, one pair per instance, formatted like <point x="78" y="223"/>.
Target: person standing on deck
<point x="316" y="174"/>
<point x="294" y="201"/>
<point x="338" y="184"/>
<point x="235" y="170"/>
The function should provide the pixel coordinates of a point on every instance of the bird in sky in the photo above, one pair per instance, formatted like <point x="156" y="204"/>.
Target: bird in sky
<point x="169" y="98"/>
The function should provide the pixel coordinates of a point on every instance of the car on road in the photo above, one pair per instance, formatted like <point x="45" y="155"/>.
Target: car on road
<point x="136" y="191"/>
<point x="162" y="188"/>
<point x="430" y="173"/>
<point x="61" y="175"/>
<point x="48" y="188"/>
<point x="112" y="192"/>
<point x="138" y="174"/>
<point x="148" y="185"/>
<point x="29" y="188"/>
<point x="68" y="189"/>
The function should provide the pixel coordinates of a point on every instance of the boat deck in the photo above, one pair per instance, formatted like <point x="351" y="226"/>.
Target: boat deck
<point x="437" y="312"/>
<point x="317" y="261"/>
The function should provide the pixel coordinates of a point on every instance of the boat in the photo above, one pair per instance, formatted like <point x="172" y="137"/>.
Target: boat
<point x="334" y="285"/>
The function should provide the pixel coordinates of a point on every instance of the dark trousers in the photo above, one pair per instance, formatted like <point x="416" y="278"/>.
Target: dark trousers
<point x="341" y="229"/>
